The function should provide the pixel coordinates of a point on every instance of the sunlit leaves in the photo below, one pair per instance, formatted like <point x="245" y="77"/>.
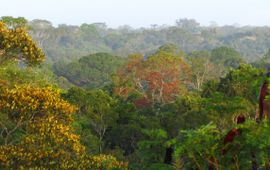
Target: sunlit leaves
<point x="106" y="162"/>
<point x="15" y="43"/>
<point x="25" y="102"/>
<point x="48" y="144"/>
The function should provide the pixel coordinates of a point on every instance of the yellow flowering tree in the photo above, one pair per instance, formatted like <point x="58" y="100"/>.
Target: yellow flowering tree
<point x="44" y="121"/>
<point x="50" y="144"/>
<point x="15" y="43"/>
<point x="22" y="105"/>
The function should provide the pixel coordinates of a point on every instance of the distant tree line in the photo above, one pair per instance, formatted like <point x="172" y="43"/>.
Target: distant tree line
<point x="70" y="42"/>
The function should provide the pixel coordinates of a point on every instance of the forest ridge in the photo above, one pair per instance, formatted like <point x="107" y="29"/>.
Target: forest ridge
<point x="69" y="42"/>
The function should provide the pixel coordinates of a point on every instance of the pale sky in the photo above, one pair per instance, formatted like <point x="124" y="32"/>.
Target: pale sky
<point x="140" y="13"/>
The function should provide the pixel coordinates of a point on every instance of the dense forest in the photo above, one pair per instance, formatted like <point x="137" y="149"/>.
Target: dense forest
<point x="164" y="98"/>
<point x="71" y="42"/>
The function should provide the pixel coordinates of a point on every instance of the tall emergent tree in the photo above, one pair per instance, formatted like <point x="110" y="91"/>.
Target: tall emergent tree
<point x="158" y="79"/>
<point x="15" y="43"/>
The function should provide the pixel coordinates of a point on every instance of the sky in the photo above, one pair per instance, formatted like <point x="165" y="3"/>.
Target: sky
<point x="140" y="13"/>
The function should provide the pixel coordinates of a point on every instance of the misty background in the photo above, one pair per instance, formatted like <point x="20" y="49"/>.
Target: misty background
<point x="140" y="13"/>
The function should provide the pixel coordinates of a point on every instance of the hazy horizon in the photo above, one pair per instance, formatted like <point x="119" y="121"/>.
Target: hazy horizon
<point x="140" y="13"/>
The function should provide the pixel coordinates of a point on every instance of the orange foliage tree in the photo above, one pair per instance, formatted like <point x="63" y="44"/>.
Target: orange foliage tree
<point x="157" y="79"/>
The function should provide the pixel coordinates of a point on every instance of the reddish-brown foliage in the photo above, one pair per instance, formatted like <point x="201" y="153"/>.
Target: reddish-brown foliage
<point x="157" y="79"/>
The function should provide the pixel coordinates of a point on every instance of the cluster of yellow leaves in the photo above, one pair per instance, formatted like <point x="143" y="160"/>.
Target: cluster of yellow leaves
<point x="25" y="102"/>
<point x="36" y="152"/>
<point x="106" y="162"/>
<point x="18" y="40"/>
<point x="50" y="140"/>
<point x="49" y="144"/>
<point x="60" y="133"/>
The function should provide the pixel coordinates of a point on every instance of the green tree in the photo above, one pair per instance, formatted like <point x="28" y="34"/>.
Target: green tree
<point x="245" y="81"/>
<point x="126" y="132"/>
<point x="14" y="22"/>
<point x="229" y="57"/>
<point x="199" y="148"/>
<point x="90" y="71"/>
<point x="97" y="111"/>
<point x="152" y="149"/>
<point x="203" y="69"/>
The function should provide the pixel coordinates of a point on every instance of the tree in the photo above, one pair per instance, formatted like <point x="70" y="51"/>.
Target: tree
<point x="43" y="122"/>
<point x="199" y="148"/>
<point x="15" y="43"/>
<point x="14" y="22"/>
<point x="152" y="148"/>
<point x="126" y="132"/>
<point x="21" y="105"/>
<point x="97" y="109"/>
<point x="91" y="71"/>
<point x="40" y="30"/>
<point x="264" y="61"/>
<point x="203" y="69"/>
<point x="48" y="144"/>
<point x="188" y="24"/>
<point x="36" y="76"/>
<point x="171" y="49"/>
<point x="229" y="57"/>
<point x="244" y="81"/>
<point x="158" y="79"/>
<point x="101" y="113"/>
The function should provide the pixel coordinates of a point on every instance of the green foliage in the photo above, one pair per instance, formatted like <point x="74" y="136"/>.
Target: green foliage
<point x="229" y="57"/>
<point x="71" y="42"/>
<point x="198" y="147"/>
<point x="222" y="109"/>
<point x="170" y="49"/>
<point x="189" y="113"/>
<point x="264" y="61"/>
<point x="36" y="76"/>
<point x="243" y="81"/>
<point x="203" y="69"/>
<point x="202" y="147"/>
<point x="90" y="71"/>
<point x="14" y="22"/>
<point x="152" y="149"/>
<point x="160" y="166"/>
<point x="126" y="132"/>
<point x="209" y="88"/>
<point x="97" y="112"/>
